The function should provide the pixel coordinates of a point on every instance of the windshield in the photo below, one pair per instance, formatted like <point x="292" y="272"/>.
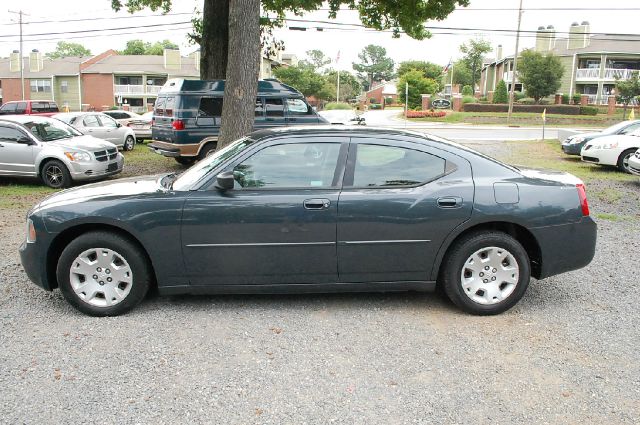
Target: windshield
<point x="202" y="168"/>
<point x="616" y="127"/>
<point x="47" y="130"/>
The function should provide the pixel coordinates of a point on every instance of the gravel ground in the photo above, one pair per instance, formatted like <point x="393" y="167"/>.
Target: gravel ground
<point x="567" y="353"/>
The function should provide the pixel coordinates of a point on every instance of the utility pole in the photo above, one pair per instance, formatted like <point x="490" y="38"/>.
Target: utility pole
<point x="515" y="67"/>
<point x="20" y="14"/>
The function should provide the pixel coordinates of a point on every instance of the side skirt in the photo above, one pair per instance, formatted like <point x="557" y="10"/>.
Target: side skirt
<point x="421" y="286"/>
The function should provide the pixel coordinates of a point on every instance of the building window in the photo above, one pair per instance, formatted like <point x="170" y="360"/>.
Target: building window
<point x="41" y="86"/>
<point x="129" y="80"/>
<point x="64" y="86"/>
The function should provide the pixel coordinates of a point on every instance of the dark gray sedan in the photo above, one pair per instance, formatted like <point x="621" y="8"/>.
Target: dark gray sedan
<point x="315" y="210"/>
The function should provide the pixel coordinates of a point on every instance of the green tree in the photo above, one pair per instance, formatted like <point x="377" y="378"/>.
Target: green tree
<point x="418" y="85"/>
<point x="627" y="90"/>
<point x="501" y="95"/>
<point x="304" y="79"/>
<point x="216" y="39"/>
<point x="139" y="47"/>
<point x="474" y="51"/>
<point x="467" y="91"/>
<point x="461" y="74"/>
<point x="316" y="59"/>
<point x="65" y="49"/>
<point x="350" y="86"/>
<point x="374" y="64"/>
<point x="428" y="69"/>
<point x="539" y="74"/>
<point x="134" y="47"/>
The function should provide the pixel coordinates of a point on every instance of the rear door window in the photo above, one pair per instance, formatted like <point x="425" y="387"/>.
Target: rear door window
<point x="298" y="107"/>
<point x="37" y="107"/>
<point x="274" y="107"/>
<point x="168" y="107"/>
<point x="53" y="107"/>
<point x="91" y="121"/>
<point x="210" y="107"/>
<point x="21" y="107"/>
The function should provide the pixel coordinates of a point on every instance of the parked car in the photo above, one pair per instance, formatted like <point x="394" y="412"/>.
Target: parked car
<point x="122" y="116"/>
<point x="613" y="150"/>
<point x="187" y="115"/>
<point x="343" y="117"/>
<point x="142" y="126"/>
<point x="57" y="153"/>
<point x="101" y="126"/>
<point x="634" y="163"/>
<point x="321" y="209"/>
<point x="572" y="145"/>
<point x="44" y="108"/>
<point x="441" y="104"/>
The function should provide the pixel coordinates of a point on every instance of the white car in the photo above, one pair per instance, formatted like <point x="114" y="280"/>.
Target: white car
<point x="342" y="117"/>
<point x="634" y="163"/>
<point x="142" y="126"/>
<point x="613" y="150"/>
<point x="101" y="126"/>
<point x="122" y="116"/>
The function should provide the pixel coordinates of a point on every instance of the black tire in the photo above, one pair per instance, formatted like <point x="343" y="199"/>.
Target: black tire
<point x="623" y="160"/>
<point x="185" y="160"/>
<point x="454" y="264"/>
<point x="55" y="174"/>
<point x="129" y="143"/>
<point x="138" y="264"/>
<point x="207" y="150"/>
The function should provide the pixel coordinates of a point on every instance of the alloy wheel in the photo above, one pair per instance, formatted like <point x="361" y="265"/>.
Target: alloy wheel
<point x="54" y="175"/>
<point x="489" y="275"/>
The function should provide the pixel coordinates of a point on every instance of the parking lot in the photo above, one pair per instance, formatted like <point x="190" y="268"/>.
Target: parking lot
<point x="567" y="353"/>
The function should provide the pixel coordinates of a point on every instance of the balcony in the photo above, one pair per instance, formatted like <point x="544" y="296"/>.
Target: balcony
<point x="587" y="74"/>
<point x="611" y="74"/>
<point x="135" y="90"/>
<point x="593" y="99"/>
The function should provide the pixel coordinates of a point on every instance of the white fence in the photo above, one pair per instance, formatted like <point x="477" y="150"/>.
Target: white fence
<point x="124" y="89"/>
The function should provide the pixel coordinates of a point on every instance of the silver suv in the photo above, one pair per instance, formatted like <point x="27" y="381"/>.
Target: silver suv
<point x="33" y="146"/>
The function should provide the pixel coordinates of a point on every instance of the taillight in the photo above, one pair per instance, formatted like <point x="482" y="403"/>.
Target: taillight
<point x="178" y="125"/>
<point x="582" y="195"/>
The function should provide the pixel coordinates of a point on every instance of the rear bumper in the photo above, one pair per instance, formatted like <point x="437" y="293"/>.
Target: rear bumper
<point x="566" y="247"/>
<point x="174" y="150"/>
<point x="634" y="165"/>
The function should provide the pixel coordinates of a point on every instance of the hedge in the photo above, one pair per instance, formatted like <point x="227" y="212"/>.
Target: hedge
<point x="503" y="107"/>
<point x="426" y="114"/>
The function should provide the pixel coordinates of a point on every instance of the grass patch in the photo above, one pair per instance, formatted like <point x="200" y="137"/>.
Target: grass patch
<point x="13" y="194"/>
<point x="524" y="119"/>
<point x="613" y="217"/>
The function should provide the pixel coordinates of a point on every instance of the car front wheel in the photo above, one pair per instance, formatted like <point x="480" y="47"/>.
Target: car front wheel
<point x="623" y="160"/>
<point x="129" y="143"/>
<point x="103" y="274"/>
<point x="55" y="174"/>
<point x="486" y="273"/>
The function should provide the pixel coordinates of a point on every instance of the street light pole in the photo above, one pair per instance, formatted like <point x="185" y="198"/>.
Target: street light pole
<point x="515" y="66"/>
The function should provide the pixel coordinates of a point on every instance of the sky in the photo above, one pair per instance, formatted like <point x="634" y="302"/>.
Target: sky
<point x="93" y="24"/>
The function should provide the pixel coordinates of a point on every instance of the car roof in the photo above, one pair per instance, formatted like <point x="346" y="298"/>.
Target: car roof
<point x="119" y="110"/>
<point x="29" y="101"/>
<point x="21" y="119"/>
<point x="332" y="130"/>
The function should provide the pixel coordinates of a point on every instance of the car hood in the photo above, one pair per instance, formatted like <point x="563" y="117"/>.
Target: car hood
<point x="84" y="142"/>
<point x="587" y="136"/>
<point x="121" y="188"/>
<point x="550" y="175"/>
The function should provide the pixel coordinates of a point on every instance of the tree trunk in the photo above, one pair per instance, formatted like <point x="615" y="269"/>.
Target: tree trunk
<point x="214" y="45"/>
<point x="243" y="68"/>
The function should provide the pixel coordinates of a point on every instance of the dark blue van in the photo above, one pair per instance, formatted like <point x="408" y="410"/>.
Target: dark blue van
<point x="186" y="118"/>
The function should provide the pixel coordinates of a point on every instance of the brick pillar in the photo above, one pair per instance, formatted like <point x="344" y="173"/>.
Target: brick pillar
<point x="455" y="89"/>
<point x="490" y="96"/>
<point x="584" y="99"/>
<point x="558" y="99"/>
<point x="426" y="102"/>
<point x="612" y="105"/>
<point x="126" y="107"/>
<point x="457" y="103"/>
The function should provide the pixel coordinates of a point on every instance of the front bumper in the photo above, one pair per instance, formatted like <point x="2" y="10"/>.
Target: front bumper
<point x="634" y="164"/>
<point x="572" y="149"/>
<point x="566" y="247"/>
<point x="600" y="156"/>
<point x="95" y="169"/>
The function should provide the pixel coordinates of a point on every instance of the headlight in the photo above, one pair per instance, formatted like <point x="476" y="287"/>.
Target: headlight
<point x="576" y="140"/>
<point x="31" y="231"/>
<point x="78" y="156"/>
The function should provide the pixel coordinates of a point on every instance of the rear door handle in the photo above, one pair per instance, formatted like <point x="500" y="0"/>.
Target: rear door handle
<point x="293" y="119"/>
<point x="316" y="204"/>
<point x="450" y="202"/>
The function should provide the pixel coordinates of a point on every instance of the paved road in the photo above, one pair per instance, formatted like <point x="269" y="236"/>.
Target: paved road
<point x="459" y="132"/>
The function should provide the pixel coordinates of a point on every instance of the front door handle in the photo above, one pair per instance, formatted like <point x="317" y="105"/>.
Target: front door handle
<point x="316" y="204"/>
<point x="293" y="119"/>
<point x="450" y="202"/>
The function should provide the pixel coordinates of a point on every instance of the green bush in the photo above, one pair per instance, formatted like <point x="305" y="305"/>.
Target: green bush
<point x="375" y="106"/>
<point x="551" y="109"/>
<point x="517" y="95"/>
<point x="468" y="99"/>
<point x="334" y="105"/>
<point x="501" y="95"/>
<point x="483" y="99"/>
<point x="467" y="91"/>
<point x="588" y="110"/>
<point x="576" y="98"/>
<point x="565" y="99"/>
<point x="388" y="100"/>
<point x="527" y="101"/>
<point x="373" y="100"/>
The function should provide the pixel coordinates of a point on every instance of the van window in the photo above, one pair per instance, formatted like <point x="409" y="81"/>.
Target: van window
<point x="210" y="107"/>
<point x="298" y="107"/>
<point x="275" y="107"/>
<point x="53" y="107"/>
<point x="168" y="107"/>
<point x="21" y="107"/>
<point x="259" y="107"/>
<point x="159" y="106"/>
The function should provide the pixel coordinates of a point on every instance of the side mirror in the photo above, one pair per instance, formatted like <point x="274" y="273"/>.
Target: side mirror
<point x="118" y="125"/>
<point x="24" y="140"/>
<point x="225" y="180"/>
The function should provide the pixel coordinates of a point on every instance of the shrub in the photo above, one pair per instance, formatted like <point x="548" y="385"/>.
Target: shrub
<point x="588" y="110"/>
<point x="388" y="100"/>
<point x="565" y="99"/>
<point x="426" y="114"/>
<point x="551" y="109"/>
<point x="576" y="98"/>
<point x="418" y="85"/>
<point x="375" y="106"/>
<point x="501" y="95"/>
<point x="468" y="99"/>
<point x="373" y="100"/>
<point x="483" y="98"/>
<point x="334" y="105"/>
<point x="517" y="95"/>
<point x="467" y="91"/>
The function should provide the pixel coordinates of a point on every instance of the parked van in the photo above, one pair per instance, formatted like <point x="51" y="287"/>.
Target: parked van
<point x="29" y="107"/>
<point x="187" y="113"/>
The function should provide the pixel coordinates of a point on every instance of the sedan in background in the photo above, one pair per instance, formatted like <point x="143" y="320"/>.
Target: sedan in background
<point x="612" y="150"/>
<point x="572" y="145"/>
<point x="122" y="116"/>
<point x="101" y="126"/>
<point x="142" y="126"/>
<point x="323" y="209"/>
<point x="634" y="163"/>
<point x="32" y="146"/>
<point x="343" y="117"/>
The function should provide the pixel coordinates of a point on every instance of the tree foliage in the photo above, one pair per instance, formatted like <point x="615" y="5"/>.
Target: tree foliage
<point x="501" y="95"/>
<point x="628" y="90"/>
<point x="461" y="74"/>
<point x="304" y="79"/>
<point x="418" y="85"/>
<point x="539" y="74"/>
<point x="474" y="51"/>
<point x="139" y="47"/>
<point x="316" y="59"/>
<point x="65" y="49"/>
<point x="374" y="64"/>
<point x="428" y="69"/>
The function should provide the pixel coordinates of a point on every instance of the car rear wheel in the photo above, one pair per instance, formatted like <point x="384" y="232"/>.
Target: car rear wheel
<point x="103" y="274"/>
<point x="55" y="174"/>
<point x="185" y="160"/>
<point x="486" y="273"/>
<point x="623" y="160"/>
<point x="129" y="143"/>
<point x="207" y="150"/>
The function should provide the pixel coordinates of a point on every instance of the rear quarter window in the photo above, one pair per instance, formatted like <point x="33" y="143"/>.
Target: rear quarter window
<point x="159" y="106"/>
